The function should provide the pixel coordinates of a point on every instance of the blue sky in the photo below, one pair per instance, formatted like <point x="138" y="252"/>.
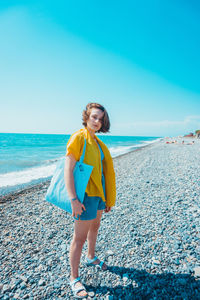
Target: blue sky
<point x="140" y="59"/>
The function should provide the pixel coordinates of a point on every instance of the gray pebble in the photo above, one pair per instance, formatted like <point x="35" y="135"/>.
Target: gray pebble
<point x="41" y="282"/>
<point x="197" y="271"/>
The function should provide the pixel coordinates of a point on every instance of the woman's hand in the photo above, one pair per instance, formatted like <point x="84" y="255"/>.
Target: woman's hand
<point x="77" y="208"/>
<point x="107" y="209"/>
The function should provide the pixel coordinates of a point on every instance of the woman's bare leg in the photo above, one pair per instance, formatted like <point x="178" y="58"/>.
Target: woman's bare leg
<point x="92" y="234"/>
<point x="81" y="229"/>
<point x="92" y="237"/>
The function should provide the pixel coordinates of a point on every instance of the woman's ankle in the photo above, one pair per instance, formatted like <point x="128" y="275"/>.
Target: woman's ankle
<point x="73" y="277"/>
<point x="90" y="256"/>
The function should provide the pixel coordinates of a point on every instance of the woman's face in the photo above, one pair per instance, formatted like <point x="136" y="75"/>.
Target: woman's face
<point x="94" y="121"/>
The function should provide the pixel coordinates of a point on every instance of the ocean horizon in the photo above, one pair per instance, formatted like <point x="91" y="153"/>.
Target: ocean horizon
<point x="27" y="159"/>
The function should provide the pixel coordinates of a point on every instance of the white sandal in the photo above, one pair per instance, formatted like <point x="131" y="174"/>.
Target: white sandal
<point x="78" y="289"/>
<point x="90" y="262"/>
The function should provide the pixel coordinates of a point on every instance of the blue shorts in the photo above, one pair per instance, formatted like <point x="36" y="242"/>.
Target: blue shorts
<point x="92" y="205"/>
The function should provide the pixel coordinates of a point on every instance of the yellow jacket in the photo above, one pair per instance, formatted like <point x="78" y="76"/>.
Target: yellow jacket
<point x="93" y="158"/>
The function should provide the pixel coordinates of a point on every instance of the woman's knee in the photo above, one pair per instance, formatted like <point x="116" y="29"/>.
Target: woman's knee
<point x="79" y="241"/>
<point x="95" y="226"/>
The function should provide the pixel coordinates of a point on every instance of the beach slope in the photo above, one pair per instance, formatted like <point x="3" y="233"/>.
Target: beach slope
<point x="150" y="240"/>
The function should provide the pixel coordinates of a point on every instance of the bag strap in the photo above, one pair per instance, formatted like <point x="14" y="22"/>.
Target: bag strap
<point x="83" y="154"/>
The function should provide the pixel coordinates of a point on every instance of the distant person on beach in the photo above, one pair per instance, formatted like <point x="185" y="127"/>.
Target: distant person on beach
<point x="192" y="143"/>
<point x="100" y="193"/>
<point x="171" y="142"/>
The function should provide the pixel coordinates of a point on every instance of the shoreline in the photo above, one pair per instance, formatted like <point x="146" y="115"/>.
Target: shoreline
<point x="44" y="184"/>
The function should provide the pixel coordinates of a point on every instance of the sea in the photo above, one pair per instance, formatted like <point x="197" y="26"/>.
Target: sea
<point x="29" y="159"/>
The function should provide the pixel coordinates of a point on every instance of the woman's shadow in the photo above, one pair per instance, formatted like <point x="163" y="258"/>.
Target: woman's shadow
<point x="139" y="284"/>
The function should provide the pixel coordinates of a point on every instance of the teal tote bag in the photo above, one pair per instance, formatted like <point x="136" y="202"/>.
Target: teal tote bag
<point x="57" y="192"/>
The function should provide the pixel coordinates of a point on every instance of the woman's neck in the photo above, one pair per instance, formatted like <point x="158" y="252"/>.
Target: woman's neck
<point x="92" y="132"/>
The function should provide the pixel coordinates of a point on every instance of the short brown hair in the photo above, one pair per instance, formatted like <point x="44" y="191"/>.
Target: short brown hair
<point x="105" y="121"/>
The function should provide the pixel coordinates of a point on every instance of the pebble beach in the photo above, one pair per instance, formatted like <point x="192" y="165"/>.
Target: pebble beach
<point x="150" y="240"/>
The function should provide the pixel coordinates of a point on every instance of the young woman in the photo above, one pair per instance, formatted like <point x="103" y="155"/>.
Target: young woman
<point x="100" y="193"/>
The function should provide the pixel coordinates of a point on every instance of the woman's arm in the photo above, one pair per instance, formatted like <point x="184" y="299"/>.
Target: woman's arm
<point x="77" y="206"/>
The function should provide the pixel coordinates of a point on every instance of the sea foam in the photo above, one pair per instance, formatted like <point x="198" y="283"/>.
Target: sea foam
<point x="11" y="181"/>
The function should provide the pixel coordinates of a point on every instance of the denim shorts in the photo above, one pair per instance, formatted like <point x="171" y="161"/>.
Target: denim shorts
<point x="92" y="205"/>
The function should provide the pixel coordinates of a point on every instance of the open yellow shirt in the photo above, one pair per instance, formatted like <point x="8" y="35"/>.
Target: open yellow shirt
<point x="93" y="158"/>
